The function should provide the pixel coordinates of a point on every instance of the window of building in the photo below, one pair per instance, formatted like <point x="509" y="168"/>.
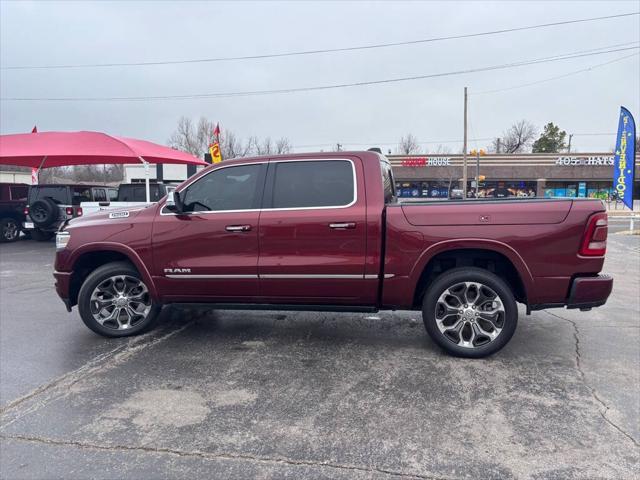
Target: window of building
<point x="578" y="189"/>
<point x="231" y="188"/>
<point x="329" y="183"/>
<point x="504" y="189"/>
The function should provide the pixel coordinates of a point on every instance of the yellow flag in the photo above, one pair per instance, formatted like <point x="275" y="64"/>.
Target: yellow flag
<point x="214" y="150"/>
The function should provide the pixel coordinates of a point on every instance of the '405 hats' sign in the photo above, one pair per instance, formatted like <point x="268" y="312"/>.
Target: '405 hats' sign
<point x="592" y="160"/>
<point x="623" y="164"/>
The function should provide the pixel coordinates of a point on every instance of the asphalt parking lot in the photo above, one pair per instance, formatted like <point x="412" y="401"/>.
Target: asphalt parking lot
<point x="225" y="394"/>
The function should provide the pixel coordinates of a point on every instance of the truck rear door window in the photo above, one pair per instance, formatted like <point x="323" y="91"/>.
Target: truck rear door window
<point x="308" y="184"/>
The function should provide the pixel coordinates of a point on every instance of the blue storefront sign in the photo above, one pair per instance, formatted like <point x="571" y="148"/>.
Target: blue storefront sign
<point x="624" y="160"/>
<point x="582" y="189"/>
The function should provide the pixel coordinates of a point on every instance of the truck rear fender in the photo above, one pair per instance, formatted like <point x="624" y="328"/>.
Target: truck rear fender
<point x="448" y="254"/>
<point x="93" y="255"/>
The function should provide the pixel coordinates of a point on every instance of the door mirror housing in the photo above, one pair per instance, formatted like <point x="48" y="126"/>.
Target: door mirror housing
<point x="174" y="202"/>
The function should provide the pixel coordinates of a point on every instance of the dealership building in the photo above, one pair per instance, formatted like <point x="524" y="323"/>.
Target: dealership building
<point x="532" y="175"/>
<point x="440" y="176"/>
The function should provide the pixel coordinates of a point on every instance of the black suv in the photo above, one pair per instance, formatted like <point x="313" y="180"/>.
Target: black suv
<point x="50" y="205"/>
<point x="13" y="200"/>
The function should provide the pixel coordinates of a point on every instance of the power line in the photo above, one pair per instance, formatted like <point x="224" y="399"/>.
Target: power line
<point x="433" y="142"/>
<point x="575" y="72"/>
<point x="319" y="51"/>
<point x="583" y="53"/>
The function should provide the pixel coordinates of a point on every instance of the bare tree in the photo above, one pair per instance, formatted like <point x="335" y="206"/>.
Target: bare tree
<point x="408" y="145"/>
<point x="441" y="150"/>
<point x="196" y="138"/>
<point x="283" y="145"/>
<point x="516" y="138"/>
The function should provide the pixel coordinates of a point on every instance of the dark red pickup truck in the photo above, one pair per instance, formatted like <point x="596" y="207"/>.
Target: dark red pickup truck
<point x="326" y="232"/>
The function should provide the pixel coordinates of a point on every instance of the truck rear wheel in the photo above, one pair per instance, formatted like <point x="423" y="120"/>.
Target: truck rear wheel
<point x="115" y="302"/>
<point x="470" y="312"/>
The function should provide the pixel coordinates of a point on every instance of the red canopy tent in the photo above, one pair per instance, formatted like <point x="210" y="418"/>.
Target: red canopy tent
<point x="58" y="149"/>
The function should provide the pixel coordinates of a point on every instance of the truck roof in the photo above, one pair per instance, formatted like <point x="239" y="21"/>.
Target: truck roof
<point x="363" y="154"/>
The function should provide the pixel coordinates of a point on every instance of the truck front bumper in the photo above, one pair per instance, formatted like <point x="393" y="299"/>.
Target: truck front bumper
<point x="63" y="281"/>
<point x="589" y="292"/>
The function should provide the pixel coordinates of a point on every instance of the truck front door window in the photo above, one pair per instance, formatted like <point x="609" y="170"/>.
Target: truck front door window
<point x="230" y="188"/>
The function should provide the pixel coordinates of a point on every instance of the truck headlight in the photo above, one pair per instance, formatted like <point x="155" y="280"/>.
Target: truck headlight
<point x="62" y="239"/>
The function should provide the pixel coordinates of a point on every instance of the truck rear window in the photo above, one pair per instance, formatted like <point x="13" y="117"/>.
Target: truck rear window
<point x="60" y="194"/>
<point x="308" y="184"/>
<point x="138" y="193"/>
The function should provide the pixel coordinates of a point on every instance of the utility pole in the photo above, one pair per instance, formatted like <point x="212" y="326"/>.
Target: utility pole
<point x="464" y="150"/>
<point x="498" y="141"/>
<point x="477" y="172"/>
<point x="569" y="146"/>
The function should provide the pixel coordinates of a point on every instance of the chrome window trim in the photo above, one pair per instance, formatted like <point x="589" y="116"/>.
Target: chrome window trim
<point x="208" y="212"/>
<point x="355" y="185"/>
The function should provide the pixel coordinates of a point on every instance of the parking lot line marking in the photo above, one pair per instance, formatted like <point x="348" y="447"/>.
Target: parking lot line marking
<point x="61" y="386"/>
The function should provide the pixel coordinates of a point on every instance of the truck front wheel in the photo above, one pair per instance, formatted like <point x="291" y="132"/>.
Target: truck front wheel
<point x="115" y="302"/>
<point x="470" y="312"/>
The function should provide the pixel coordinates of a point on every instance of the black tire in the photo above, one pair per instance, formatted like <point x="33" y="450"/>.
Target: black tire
<point x="451" y="278"/>
<point x="9" y="229"/>
<point x="40" y="235"/>
<point x="44" y="212"/>
<point x="100" y="275"/>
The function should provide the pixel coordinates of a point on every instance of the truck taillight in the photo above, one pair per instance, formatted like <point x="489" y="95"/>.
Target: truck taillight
<point x="79" y="211"/>
<point x="594" y="242"/>
<point x="69" y="210"/>
<point x="26" y="210"/>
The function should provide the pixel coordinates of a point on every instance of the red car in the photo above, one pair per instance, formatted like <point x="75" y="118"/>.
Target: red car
<point x="325" y="232"/>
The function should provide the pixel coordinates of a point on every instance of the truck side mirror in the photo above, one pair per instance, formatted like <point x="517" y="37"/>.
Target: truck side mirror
<point x="173" y="203"/>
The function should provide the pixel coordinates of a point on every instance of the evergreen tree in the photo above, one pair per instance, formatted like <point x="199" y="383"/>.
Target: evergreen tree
<point x="551" y="140"/>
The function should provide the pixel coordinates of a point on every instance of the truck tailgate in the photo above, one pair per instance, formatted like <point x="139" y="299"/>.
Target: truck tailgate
<point x="492" y="212"/>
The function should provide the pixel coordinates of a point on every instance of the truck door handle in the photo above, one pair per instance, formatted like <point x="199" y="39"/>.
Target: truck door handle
<point x="342" y="226"/>
<point x="238" y="228"/>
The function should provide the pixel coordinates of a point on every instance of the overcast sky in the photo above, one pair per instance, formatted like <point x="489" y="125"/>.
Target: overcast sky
<point x="46" y="33"/>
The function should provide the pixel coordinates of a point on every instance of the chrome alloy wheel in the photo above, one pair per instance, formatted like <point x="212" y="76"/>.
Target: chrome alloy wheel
<point x="120" y="302"/>
<point x="470" y="314"/>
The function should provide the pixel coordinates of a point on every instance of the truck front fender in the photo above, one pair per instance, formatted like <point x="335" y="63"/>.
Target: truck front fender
<point x="126" y="251"/>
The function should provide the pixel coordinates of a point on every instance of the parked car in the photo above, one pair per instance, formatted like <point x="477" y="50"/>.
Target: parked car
<point x="130" y="195"/>
<point x="49" y="206"/>
<point x="13" y="200"/>
<point x="325" y="232"/>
